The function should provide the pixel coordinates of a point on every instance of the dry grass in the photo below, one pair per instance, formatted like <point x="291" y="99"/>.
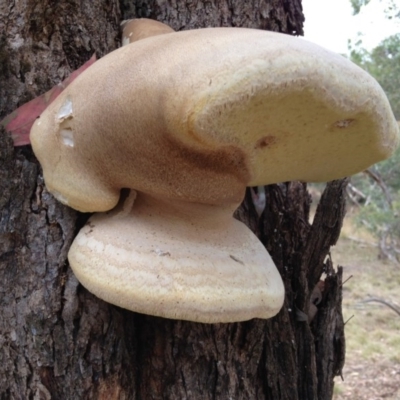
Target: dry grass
<point x="372" y="369"/>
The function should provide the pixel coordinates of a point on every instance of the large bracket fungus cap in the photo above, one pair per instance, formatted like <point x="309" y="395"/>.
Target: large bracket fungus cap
<point x="188" y="120"/>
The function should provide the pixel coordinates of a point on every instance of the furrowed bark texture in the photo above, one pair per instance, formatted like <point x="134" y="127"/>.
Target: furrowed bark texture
<point x="57" y="341"/>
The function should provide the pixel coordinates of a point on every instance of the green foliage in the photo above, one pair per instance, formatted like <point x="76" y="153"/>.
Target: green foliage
<point x="392" y="10"/>
<point x="378" y="193"/>
<point x="380" y="213"/>
<point x="385" y="225"/>
<point x="383" y="62"/>
<point x="357" y="4"/>
<point x="381" y="209"/>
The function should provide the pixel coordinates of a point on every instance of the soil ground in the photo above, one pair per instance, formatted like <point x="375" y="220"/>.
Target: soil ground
<point x="372" y="369"/>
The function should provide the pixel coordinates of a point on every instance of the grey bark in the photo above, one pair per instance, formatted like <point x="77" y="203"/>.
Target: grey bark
<point x="57" y="341"/>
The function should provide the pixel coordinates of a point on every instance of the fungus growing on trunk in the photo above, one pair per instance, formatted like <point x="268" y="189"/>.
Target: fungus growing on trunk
<point x="187" y="121"/>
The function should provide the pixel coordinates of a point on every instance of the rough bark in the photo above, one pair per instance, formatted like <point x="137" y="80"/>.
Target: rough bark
<point x="273" y="15"/>
<point x="57" y="341"/>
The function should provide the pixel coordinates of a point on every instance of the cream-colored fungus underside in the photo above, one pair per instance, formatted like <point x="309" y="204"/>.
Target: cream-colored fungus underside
<point x="192" y="262"/>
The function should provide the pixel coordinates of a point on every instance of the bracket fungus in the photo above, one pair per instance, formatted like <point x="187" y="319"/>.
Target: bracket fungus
<point x="187" y="120"/>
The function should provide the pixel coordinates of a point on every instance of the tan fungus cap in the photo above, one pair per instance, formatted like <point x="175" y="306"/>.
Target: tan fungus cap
<point x="224" y="108"/>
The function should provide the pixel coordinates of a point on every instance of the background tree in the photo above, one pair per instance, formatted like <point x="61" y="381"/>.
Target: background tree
<point x="391" y="7"/>
<point x="378" y="189"/>
<point x="57" y="341"/>
<point x="383" y="62"/>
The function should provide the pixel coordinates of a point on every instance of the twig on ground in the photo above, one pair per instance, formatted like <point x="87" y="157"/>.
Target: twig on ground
<point x="386" y="303"/>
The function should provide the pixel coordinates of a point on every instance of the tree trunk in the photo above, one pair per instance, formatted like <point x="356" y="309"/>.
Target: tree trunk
<point x="57" y="341"/>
